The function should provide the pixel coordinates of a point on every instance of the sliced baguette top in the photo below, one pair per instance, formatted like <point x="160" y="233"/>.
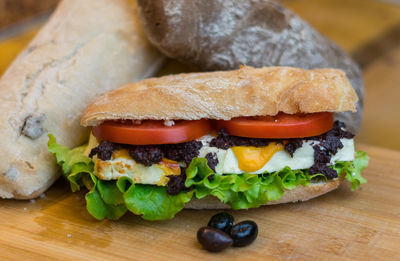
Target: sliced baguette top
<point x="225" y="95"/>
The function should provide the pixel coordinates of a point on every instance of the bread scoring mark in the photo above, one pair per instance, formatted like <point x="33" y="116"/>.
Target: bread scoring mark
<point x="29" y="165"/>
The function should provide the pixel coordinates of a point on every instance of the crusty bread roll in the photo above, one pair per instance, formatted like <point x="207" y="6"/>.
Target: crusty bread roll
<point x="88" y="47"/>
<point x="300" y="193"/>
<point x="225" y="95"/>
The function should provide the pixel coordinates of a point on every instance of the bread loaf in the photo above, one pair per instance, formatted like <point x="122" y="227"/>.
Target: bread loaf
<point x="88" y="47"/>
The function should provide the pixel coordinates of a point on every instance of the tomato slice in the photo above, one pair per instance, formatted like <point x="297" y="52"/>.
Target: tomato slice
<point x="280" y="126"/>
<point x="151" y="131"/>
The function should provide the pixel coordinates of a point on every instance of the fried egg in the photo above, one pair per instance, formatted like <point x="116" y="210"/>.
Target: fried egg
<point x="235" y="160"/>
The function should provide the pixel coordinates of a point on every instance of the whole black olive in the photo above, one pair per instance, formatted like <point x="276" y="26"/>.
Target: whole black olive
<point x="244" y="233"/>
<point x="222" y="221"/>
<point x="213" y="240"/>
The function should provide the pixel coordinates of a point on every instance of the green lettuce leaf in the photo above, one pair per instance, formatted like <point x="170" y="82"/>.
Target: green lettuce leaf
<point x="104" y="200"/>
<point x="74" y="163"/>
<point x="111" y="199"/>
<point x="353" y="169"/>
<point x="245" y="190"/>
<point x="152" y="202"/>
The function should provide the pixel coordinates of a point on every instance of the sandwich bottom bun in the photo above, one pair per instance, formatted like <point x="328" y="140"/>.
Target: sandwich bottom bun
<point x="301" y="193"/>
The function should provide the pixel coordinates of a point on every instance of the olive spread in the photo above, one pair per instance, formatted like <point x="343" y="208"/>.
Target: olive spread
<point x="327" y="144"/>
<point x="176" y="183"/>
<point x="147" y="155"/>
<point x="150" y="154"/>
<point x="104" y="150"/>
<point x="225" y="141"/>
<point x="212" y="160"/>
<point x="182" y="151"/>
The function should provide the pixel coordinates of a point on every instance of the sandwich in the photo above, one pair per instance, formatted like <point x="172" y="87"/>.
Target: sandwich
<point x="235" y="139"/>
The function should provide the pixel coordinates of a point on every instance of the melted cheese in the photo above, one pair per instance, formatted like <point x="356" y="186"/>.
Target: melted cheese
<point x="122" y="165"/>
<point x="169" y="167"/>
<point x="122" y="154"/>
<point x="251" y="159"/>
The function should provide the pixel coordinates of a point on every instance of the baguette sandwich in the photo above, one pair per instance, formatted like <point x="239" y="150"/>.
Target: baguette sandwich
<point x="236" y="139"/>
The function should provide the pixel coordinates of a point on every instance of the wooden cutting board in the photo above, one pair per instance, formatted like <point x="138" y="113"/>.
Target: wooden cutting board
<point x="363" y="225"/>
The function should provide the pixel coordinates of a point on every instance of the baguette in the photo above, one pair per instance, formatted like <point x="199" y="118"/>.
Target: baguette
<point x="225" y="95"/>
<point x="86" y="48"/>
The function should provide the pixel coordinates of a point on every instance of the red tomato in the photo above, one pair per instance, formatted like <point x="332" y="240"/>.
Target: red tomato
<point x="151" y="132"/>
<point x="281" y="126"/>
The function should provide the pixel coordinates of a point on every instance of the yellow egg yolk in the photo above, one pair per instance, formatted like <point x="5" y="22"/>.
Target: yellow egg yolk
<point x="251" y="159"/>
<point x="122" y="153"/>
<point x="169" y="167"/>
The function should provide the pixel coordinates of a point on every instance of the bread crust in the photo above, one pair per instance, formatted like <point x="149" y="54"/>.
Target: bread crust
<point x="48" y="86"/>
<point x="301" y="193"/>
<point x="226" y="94"/>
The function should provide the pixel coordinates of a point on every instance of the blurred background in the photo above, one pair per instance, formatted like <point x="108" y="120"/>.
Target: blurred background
<point x="369" y="30"/>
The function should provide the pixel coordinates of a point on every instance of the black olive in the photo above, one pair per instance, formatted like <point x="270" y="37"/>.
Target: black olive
<point x="244" y="233"/>
<point x="222" y="221"/>
<point x="213" y="240"/>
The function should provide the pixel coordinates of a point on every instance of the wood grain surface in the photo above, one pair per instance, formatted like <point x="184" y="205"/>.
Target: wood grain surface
<point x="362" y="225"/>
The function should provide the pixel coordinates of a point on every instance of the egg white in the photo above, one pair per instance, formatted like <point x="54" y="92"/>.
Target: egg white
<point x="303" y="158"/>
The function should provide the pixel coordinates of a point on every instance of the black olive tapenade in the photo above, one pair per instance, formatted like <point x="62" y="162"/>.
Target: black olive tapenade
<point x="146" y="155"/>
<point x="328" y="145"/>
<point x="176" y="183"/>
<point x="104" y="151"/>
<point x="150" y="154"/>
<point x="212" y="160"/>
